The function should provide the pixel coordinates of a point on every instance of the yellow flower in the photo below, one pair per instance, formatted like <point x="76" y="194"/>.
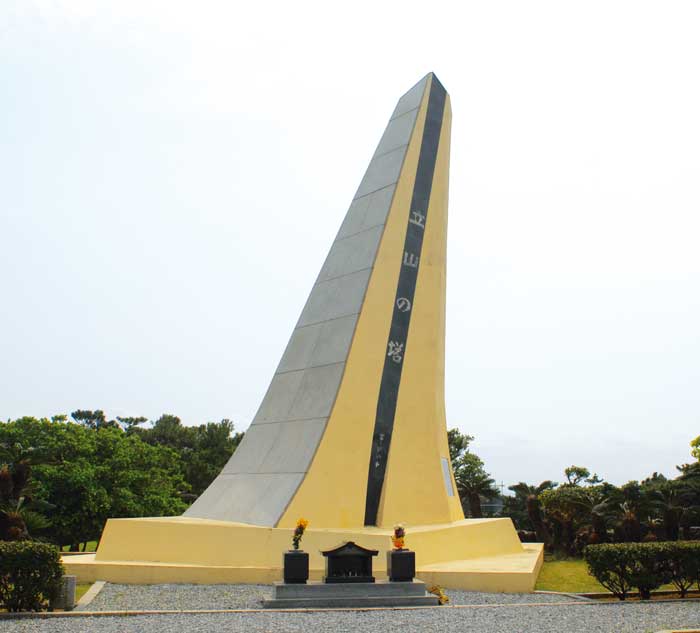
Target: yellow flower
<point x="302" y="523"/>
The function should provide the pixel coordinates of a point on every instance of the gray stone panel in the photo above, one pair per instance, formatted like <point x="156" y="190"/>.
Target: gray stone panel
<point x="411" y="99"/>
<point x="316" y="394"/>
<point x="334" y="342"/>
<point x="323" y="343"/>
<point x="366" y="212"/>
<point x="258" y="499"/>
<point x="294" y="446"/>
<point x="355" y="217"/>
<point x="384" y="170"/>
<point x="260" y="479"/>
<point x="351" y="254"/>
<point x="300" y="349"/>
<point x="254" y="447"/>
<point x="335" y="298"/>
<point x="398" y="132"/>
<point x="279" y="397"/>
<point x="379" y="205"/>
<point x="279" y="447"/>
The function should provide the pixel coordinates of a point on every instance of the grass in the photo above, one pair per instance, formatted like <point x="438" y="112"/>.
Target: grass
<point x="568" y="575"/>
<point x="91" y="547"/>
<point x="81" y="589"/>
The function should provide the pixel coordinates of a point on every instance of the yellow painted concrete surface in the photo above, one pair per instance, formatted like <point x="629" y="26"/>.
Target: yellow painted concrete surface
<point x="466" y="554"/>
<point x="333" y="492"/>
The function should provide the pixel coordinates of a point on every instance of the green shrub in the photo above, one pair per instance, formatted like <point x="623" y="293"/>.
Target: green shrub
<point x="646" y="566"/>
<point x="609" y="564"/>
<point x="30" y="575"/>
<point x="683" y="565"/>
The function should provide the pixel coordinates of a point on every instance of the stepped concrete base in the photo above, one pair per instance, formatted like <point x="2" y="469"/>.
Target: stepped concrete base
<point x="319" y="595"/>
<point x="472" y="554"/>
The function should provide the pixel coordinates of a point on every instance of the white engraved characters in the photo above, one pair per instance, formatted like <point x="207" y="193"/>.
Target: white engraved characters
<point x="417" y="218"/>
<point x="395" y="351"/>
<point x="379" y="452"/>
<point x="403" y="304"/>
<point x="409" y="259"/>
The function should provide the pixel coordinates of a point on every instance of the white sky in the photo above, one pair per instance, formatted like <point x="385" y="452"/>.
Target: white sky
<point x="172" y="175"/>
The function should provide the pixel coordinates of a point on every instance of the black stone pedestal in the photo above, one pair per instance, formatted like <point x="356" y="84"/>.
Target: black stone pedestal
<point x="400" y="565"/>
<point x="296" y="567"/>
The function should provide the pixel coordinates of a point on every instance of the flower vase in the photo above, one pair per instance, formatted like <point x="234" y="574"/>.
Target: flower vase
<point x="400" y="565"/>
<point x="296" y="567"/>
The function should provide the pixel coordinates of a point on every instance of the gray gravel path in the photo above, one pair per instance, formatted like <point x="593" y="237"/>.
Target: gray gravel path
<point x="577" y="618"/>
<point x="115" y="597"/>
<point x="178" y="597"/>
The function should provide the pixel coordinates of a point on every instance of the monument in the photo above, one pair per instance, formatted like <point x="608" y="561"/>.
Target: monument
<point x="351" y="433"/>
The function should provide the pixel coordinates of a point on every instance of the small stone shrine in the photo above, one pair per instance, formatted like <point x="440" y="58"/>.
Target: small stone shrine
<point x="349" y="563"/>
<point x="349" y="583"/>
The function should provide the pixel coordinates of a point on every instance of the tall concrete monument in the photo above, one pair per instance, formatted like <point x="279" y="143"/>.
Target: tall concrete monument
<point x="351" y="433"/>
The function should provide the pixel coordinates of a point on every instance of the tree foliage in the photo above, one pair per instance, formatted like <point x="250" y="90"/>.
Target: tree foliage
<point x="87" y="471"/>
<point x="473" y="482"/>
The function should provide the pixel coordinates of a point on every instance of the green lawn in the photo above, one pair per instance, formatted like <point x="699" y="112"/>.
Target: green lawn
<point x="81" y="588"/>
<point x="91" y="547"/>
<point x="569" y="575"/>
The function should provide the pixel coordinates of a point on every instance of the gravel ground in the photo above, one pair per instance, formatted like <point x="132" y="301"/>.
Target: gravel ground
<point x="194" y="597"/>
<point x="578" y="618"/>
<point x="178" y="597"/>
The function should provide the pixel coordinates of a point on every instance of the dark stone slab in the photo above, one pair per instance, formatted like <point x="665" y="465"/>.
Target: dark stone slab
<point x="296" y="567"/>
<point x="400" y="565"/>
<point x="325" y="596"/>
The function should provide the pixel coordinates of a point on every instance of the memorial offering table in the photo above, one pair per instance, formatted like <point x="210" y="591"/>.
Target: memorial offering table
<point x="349" y="563"/>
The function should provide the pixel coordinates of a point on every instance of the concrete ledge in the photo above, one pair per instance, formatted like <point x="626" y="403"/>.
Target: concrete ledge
<point x="320" y="595"/>
<point x="90" y="594"/>
<point x="340" y="603"/>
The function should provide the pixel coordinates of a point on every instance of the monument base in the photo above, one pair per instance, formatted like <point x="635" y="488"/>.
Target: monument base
<point x="352" y="595"/>
<point x="472" y="554"/>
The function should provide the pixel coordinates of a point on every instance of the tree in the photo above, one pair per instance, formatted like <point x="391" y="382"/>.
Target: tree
<point x="130" y="423"/>
<point x="473" y="483"/>
<point x="20" y="512"/>
<point x="576" y="475"/>
<point x="458" y="443"/>
<point x="203" y="450"/>
<point x="526" y="501"/>
<point x="93" y="419"/>
<point x="89" y="473"/>
<point x="670" y="500"/>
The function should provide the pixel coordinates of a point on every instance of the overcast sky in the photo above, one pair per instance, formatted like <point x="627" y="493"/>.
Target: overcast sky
<point x="173" y="174"/>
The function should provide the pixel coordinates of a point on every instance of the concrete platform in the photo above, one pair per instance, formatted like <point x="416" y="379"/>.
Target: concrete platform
<point x="357" y="595"/>
<point x="472" y="554"/>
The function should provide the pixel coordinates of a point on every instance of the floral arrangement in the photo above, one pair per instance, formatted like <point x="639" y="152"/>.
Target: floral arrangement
<point x="302" y="524"/>
<point x="437" y="591"/>
<point x="398" y="536"/>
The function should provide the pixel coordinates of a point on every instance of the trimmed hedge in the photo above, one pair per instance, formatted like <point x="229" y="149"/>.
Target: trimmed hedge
<point x="621" y="566"/>
<point x="30" y="575"/>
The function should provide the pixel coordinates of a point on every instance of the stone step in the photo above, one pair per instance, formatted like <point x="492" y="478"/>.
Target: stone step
<point x="354" y="602"/>
<point x="283" y="591"/>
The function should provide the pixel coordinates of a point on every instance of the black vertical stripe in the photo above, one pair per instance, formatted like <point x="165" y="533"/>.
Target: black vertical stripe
<point x="403" y="302"/>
